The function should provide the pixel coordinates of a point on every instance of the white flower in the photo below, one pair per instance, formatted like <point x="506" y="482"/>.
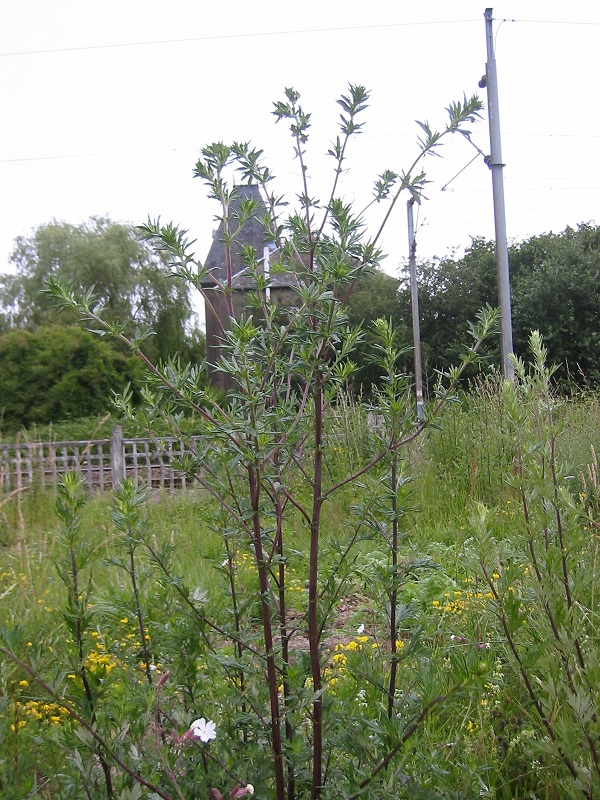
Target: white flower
<point x="203" y="730"/>
<point x="250" y="788"/>
<point x="360" y="630"/>
<point x="361" y="698"/>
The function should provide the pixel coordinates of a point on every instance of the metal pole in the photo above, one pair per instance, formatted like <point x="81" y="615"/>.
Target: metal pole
<point x="496" y="166"/>
<point x="414" y="301"/>
<point x="117" y="457"/>
<point x="267" y="271"/>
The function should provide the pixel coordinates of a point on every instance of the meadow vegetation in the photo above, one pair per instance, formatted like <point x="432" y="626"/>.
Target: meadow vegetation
<point x="407" y="610"/>
<point x="487" y="641"/>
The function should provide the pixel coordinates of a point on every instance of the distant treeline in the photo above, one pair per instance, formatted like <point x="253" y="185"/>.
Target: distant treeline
<point x="53" y="369"/>
<point x="555" y="288"/>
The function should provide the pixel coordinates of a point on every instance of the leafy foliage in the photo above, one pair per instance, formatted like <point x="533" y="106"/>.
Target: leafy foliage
<point x="541" y="581"/>
<point x="132" y="284"/>
<point x="375" y="296"/>
<point x="264" y="463"/>
<point x="51" y="375"/>
<point x="555" y="288"/>
<point x="557" y="292"/>
<point x="59" y="373"/>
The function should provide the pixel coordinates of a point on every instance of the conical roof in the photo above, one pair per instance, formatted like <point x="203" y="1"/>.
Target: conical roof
<point x="253" y="234"/>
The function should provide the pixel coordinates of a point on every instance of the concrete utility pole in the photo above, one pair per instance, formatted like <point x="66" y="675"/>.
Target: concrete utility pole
<point x="496" y="166"/>
<point x="414" y="302"/>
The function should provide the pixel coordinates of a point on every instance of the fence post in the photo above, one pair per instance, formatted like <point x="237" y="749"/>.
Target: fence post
<point x="117" y="456"/>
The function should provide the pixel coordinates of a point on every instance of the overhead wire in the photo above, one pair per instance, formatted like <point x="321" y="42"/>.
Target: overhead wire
<point x="296" y="31"/>
<point x="257" y="34"/>
<point x="218" y="37"/>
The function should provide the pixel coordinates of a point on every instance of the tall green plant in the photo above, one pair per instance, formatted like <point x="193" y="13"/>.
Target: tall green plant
<point x="261" y="461"/>
<point x="542" y="582"/>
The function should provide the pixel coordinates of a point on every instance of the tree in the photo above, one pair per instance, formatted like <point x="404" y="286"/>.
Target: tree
<point x="57" y="373"/>
<point x="264" y="462"/>
<point x="375" y="296"/>
<point x="555" y="288"/>
<point x="132" y="284"/>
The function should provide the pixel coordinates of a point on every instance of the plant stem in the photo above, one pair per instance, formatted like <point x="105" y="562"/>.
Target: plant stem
<point x="394" y="591"/>
<point x="313" y="588"/>
<point x="276" y="743"/>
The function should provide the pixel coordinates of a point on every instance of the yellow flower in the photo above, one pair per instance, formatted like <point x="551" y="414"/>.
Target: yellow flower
<point x="23" y="683"/>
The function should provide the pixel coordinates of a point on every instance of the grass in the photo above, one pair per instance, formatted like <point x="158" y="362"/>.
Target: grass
<point x="488" y="739"/>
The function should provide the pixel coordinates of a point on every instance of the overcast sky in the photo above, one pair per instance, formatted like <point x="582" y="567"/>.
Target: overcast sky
<point x="107" y="105"/>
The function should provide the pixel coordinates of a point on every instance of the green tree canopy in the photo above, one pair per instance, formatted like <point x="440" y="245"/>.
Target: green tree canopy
<point x="375" y="295"/>
<point x="555" y="288"/>
<point x="451" y="292"/>
<point x="58" y="373"/>
<point x="132" y="283"/>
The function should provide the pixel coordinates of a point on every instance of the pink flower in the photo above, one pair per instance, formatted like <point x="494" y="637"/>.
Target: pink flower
<point x="241" y="791"/>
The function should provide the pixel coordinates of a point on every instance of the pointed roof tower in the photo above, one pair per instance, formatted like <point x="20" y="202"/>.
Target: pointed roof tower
<point x="252" y="234"/>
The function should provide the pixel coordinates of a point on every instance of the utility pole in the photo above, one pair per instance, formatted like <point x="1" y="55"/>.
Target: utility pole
<point x="414" y="302"/>
<point x="496" y="166"/>
<point x="267" y="271"/>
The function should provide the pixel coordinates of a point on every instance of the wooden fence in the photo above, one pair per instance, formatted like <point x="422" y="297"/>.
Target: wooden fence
<point x="102" y="463"/>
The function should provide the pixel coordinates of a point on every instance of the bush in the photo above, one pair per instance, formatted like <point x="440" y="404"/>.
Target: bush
<point x="59" y="373"/>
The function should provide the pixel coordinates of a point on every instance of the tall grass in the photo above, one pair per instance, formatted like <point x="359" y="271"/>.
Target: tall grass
<point x="488" y="738"/>
<point x="465" y="457"/>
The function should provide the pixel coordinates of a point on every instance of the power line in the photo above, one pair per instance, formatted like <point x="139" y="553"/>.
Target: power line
<point x="556" y="135"/>
<point x="219" y="37"/>
<point x="515" y="189"/>
<point x="232" y="36"/>
<point x="99" y="154"/>
<point x="188" y="148"/>
<point x="549" y="22"/>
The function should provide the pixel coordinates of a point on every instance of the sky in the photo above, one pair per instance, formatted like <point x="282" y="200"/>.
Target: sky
<point x="107" y="106"/>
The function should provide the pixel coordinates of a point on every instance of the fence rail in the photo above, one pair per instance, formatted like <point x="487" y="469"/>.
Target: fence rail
<point x="101" y="463"/>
